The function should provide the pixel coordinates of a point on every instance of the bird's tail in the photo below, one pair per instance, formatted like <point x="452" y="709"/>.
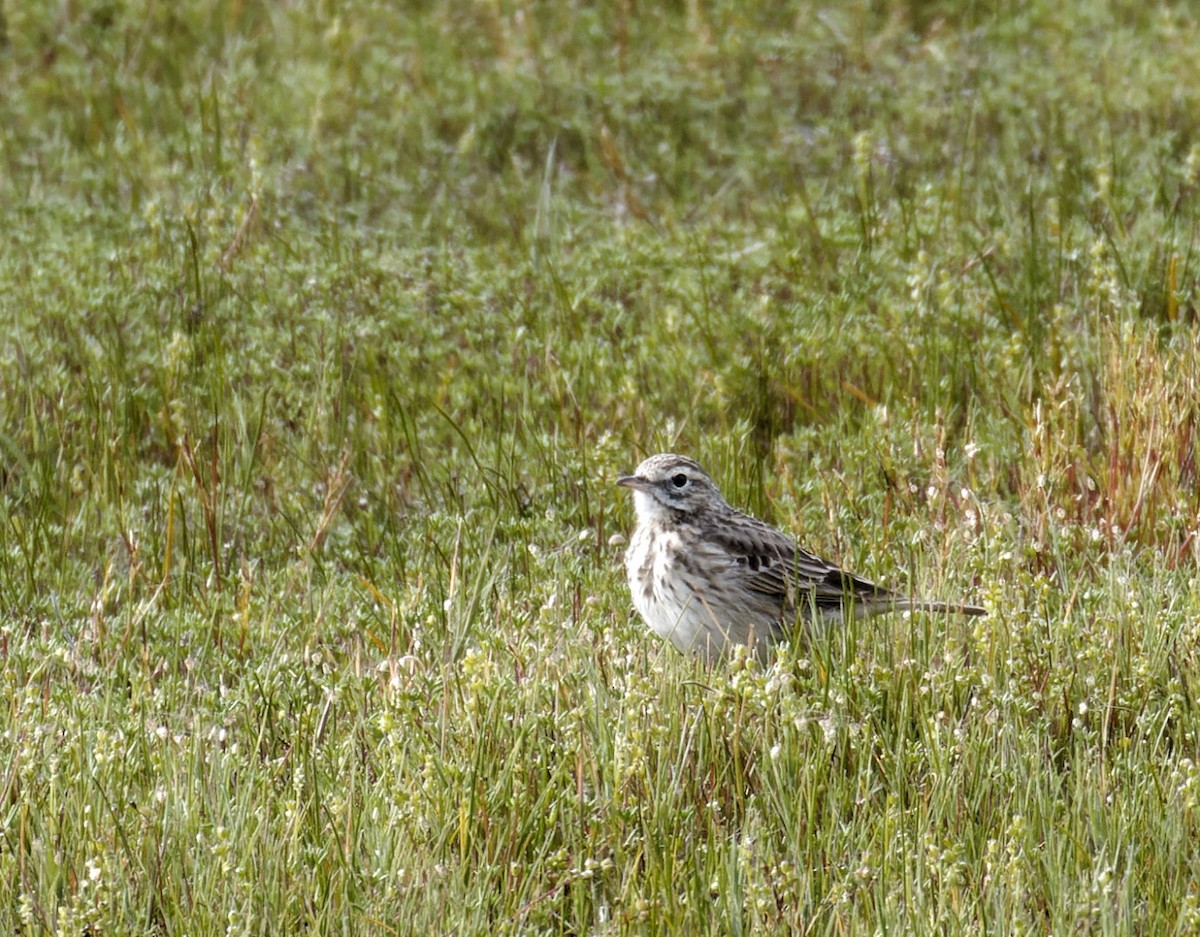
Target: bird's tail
<point x="925" y="605"/>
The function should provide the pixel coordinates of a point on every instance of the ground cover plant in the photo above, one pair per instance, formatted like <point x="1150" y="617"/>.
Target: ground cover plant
<point x="327" y="329"/>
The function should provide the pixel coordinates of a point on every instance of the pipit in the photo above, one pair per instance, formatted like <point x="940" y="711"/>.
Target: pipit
<point x="707" y="577"/>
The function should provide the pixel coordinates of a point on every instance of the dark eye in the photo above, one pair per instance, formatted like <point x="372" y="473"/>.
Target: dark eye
<point x="680" y="480"/>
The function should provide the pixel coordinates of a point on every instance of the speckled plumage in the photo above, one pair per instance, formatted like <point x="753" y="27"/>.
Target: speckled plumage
<point x="707" y="577"/>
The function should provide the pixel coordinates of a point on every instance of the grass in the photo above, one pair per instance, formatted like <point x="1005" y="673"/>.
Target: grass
<point x="327" y="330"/>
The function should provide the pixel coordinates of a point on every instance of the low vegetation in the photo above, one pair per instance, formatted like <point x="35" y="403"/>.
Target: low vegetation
<point x="327" y="330"/>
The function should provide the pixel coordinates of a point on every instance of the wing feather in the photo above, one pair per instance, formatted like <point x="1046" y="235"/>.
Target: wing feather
<point x="770" y="563"/>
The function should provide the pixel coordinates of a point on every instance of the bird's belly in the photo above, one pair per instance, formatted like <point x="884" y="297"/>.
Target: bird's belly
<point x="669" y="590"/>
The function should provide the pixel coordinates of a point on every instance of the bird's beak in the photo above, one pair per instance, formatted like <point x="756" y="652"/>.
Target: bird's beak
<point x="636" y="482"/>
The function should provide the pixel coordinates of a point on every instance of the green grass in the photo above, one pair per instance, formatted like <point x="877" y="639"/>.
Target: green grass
<point x="327" y="330"/>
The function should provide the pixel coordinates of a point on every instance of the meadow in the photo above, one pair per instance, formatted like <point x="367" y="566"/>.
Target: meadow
<point x="326" y="331"/>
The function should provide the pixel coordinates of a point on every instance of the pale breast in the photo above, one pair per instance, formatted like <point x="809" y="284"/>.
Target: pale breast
<point x="659" y="593"/>
<point x="686" y="594"/>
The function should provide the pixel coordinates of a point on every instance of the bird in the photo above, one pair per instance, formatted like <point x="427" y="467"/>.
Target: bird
<point x="708" y="577"/>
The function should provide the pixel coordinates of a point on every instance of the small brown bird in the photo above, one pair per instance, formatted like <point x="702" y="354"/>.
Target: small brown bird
<point x="707" y="577"/>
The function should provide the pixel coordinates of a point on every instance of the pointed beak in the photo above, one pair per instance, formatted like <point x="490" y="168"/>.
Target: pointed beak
<point x="636" y="482"/>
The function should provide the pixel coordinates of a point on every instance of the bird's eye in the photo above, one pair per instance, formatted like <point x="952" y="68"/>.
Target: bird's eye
<point x="680" y="480"/>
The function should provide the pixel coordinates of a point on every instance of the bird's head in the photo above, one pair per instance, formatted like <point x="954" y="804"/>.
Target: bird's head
<point x="667" y="486"/>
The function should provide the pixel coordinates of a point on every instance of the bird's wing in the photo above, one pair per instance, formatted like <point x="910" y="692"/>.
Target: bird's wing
<point x="772" y="564"/>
